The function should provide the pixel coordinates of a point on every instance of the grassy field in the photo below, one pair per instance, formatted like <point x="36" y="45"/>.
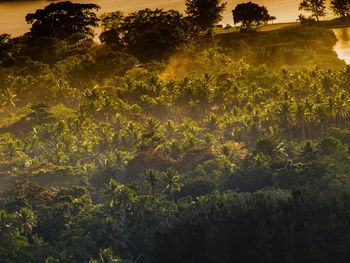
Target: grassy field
<point x="265" y="28"/>
<point x="334" y="23"/>
<point x="277" y="26"/>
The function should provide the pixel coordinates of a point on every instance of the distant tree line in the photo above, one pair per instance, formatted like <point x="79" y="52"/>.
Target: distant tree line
<point x="340" y="8"/>
<point x="145" y="34"/>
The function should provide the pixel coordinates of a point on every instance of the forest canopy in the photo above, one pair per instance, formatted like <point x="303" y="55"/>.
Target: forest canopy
<point x="63" y="19"/>
<point x="172" y="139"/>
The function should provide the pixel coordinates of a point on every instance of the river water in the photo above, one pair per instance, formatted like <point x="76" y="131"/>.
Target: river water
<point x="343" y="45"/>
<point x="12" y="13"/>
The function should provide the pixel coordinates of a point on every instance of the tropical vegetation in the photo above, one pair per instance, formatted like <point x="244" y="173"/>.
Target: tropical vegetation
<point x="167" y="142"/>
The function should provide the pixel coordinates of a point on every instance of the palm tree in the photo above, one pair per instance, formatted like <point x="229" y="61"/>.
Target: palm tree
<point x="170" y="87"/>
<point x="321" y="116"/>
<point x="112" y="235"/>
<point x="212" y="124"/>
<point x="174" y="148"/>
<point x="120" y="197"/>
<point x="106" y="107"/>
<point x="152" y="179"/>
<point x="331" y="108"/>
<point x="342" y="109"/>
<point x="7" y="224"/>
<point x="26" y="220"/>
<point x="106" y="256"/>
<point x="39" y="114"/>
<point x="10" y="148"/>
<point x="285" y="113"/>
<point x="8" y="98"/>
<point x="141" y="204"/>
<point x="151" y="127"/>
<point x="169" y="129"/>
<point x="308" y="151"/>
<point x="308" y="106"/>
<point x="171" y="179"/>
<point x="300" y="118"/>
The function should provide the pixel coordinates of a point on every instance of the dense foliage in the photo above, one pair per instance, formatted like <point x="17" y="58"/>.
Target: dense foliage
<point x="340" y="7"/>
<point x="316" y="7"/>
<point x="225" y="148"/>
<point x="248" y="14"/>
<point x="205" y="13"/>
<point x="63" y="19"/>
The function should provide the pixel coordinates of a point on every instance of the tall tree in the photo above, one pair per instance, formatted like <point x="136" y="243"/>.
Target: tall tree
<point x="120" y="197"/>
<point x="152" y="179"/>
<point x="25" y="220"/>
<point x="340" y="7"/>
<point x="171" y="179"/>
<point x="316" y="7"/>
<point x="63" y="19"/>
<point x="205" y="13"/>
<point x="249" y="14"/>
<point x="285" y="114"/>
<point x="150" y="34"/>
<point x="111" y="24"/>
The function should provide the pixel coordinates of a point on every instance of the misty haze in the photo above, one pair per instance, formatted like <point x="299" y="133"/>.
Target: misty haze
<point x="192" y="131"/>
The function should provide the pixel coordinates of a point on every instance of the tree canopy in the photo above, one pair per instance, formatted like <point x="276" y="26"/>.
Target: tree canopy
<point x="112" y="28"/>
<point x="316" y="7"/>
<point x="153" y="33"/>
<point x="340" y="7"/>
<point x="249" y="14"/>
<point x="205" y="13"/>
<point x="63" y="19"/>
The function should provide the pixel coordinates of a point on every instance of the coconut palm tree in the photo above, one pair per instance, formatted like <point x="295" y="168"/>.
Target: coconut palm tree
<point x="8" y="98"/>
<point x="308" y="151"/>
<point x="301" y="118"/>
<point x="285" y="114"/>
<point x="152" y="179"/>
<point x="342" y="109"/>
<point x="112" y="235"/>
<point x="171" y="180"/>
<point x="212" y="124"/>
<point x="26" y="221"/>
<point x="170" y="130"/>
<point x="151" y="127"/>
<point x="320" y="116"/>
<point x="331" y="109"/>
<point x="7" y="225"/>
<point x="106" y="256"/>
<point x="142" y="202"/>
<point x="119" y="197"/>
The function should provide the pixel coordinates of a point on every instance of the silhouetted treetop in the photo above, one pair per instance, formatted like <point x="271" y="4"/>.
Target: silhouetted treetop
<point x="153" y="33"/>
<point x="111" y="24"/>
<point x="63" y="19"/>
<point x="249" y="14"/>
<point x="316" y="7"/>
<point x="340" y="7"/>
<point x="205" y="13"/>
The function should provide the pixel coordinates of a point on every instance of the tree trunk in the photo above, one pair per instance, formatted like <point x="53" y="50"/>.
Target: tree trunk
<point x="303" y="130"/>
<point x="308" y="130"/>
<point x="172" y="196"/>
<point x="290" y="132"/>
